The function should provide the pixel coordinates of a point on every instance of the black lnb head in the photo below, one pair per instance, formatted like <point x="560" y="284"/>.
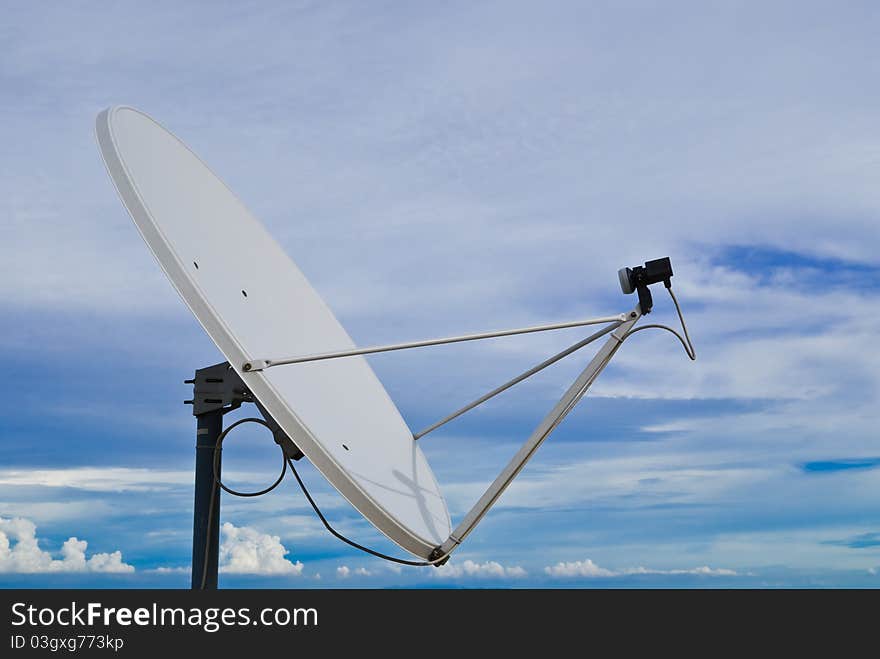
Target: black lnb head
<point x="653" y="272"/>
<point x="638" y="279"/>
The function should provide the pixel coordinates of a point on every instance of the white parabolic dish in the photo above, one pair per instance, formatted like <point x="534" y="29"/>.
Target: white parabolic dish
<point x="254" y="302"/>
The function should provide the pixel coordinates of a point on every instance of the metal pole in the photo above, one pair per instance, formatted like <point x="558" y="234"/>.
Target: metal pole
<point x="206" y="513"/>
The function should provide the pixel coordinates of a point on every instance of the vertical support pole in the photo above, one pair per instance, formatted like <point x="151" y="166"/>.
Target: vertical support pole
<point x="206" y="532"/>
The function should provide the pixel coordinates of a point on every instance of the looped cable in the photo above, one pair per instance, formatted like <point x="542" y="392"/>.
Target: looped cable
<point x="219" y="447"/>
<point x="218" y="482"/>
<point x="685" y="340"/>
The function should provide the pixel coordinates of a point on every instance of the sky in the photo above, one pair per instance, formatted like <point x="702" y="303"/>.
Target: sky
<point x="441" y="168"/>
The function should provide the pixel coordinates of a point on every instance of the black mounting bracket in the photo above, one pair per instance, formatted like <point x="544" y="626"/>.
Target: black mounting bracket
<point x="219" y="388"/>
<point x="435" y="554"/>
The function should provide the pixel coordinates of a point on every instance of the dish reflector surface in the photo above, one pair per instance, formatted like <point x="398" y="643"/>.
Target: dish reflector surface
<point x="254" y="302"/>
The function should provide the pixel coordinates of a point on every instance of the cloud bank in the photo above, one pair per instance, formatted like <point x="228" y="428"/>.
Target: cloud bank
<point x="588" y="569"/>
<point x="20" y="552"/>
<point x="473" y="570"/>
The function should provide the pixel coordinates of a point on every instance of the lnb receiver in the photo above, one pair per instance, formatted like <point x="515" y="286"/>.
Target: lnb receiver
<point x="638" y="279"/>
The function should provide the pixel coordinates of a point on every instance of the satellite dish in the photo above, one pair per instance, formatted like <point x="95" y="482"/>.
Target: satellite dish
<point x="252" y="300"/>
<point x="262" y="313"/>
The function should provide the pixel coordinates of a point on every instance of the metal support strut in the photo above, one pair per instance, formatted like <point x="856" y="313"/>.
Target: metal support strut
<point x="571" y="397"/>
<point x="262" y="364"/>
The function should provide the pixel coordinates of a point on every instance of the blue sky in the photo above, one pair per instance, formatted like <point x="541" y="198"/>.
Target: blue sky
<point x="449" y="168"/>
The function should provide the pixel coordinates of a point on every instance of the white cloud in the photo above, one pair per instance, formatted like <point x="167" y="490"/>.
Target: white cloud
<point x="485" y="570"/>
<point x="20" y="552"/>
<point x="245" y="550"/>
<point x="344" y="572"/>
<point x="52" y="511"/>
<point x="587" y="568"/>
<point x="97" y="479"/>
<point x="111" y="479"/>
<point x="704" y="570"/>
